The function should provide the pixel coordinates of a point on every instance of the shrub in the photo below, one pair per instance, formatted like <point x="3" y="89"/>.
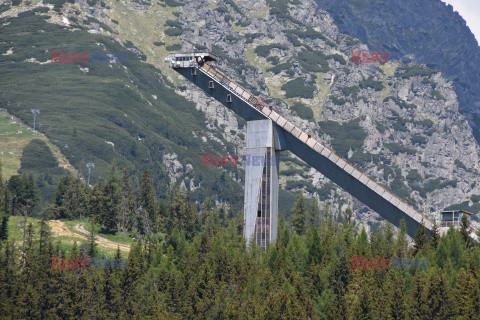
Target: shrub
<point x="414" y="176"/>
<point x="291" y="172"/>
<point x="360" y="157"/>
<point x="418" y="70"/>
<point x="252" y="36"/>
<point x="303" y="111"/>
<point x="337" y="101"/>
<point x="173" y="24"/>
<point x="159" y="43"/>
<point x="418" y="139"/>
<point x="245" y="23"/>
<point x="399" y="188"/>
<point x="475" y="208"/>
<point x="298" y="88"/>
<point x="280" y="67"/>
<point x="273" y="60"/>
<point x="216" y="50"/>
<point x="345" y="136"/>
<point x="353" y="90"/>
<point x="264" y="50"/>
<point x="437" y="95"/>
<point x="426" y="123"/>
<point x="173" y="3"/>
<point x="293" y="184"/>
<point x="279" y="9"/>
<point x="371" y="83"/>
<point x="337" y="57"/>
<point x="222" y="9"/>
<point x="174" y="47"/>
<point x="475" y="198"/>
<point x="380" y="127"/>
<point x="293" y="39"/>
<point x="400" y="103"/>
<point x="397" y="148"/>
<point x="350" y="41"/>
<point x="459" y="164"/>
<point x="313" y="61"/>
<point x="399" y="124"/>
<point x="173" y="32"/>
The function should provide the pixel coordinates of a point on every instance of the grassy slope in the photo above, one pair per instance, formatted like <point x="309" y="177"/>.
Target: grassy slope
<point x="82" y="111"/>
<point x="15" y="232"/>
<point x="13" y="138"/>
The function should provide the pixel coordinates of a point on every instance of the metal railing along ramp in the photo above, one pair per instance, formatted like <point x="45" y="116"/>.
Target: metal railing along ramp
<point x="314" y="153"/>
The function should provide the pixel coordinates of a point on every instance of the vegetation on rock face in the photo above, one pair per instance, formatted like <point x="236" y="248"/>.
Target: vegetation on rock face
<point x="298" y="88"/>
<point x="264" y="50"/>
<point x="303" y="111"/>
<point x="371" y="83"/>
<point x="346" y="136"/>
<point x="313" y="61"/>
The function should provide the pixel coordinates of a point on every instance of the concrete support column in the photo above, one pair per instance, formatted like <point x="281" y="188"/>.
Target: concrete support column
<point x="261" y="183"/>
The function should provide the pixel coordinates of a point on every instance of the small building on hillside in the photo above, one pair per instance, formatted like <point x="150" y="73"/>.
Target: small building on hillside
<point x="452" y="218"/>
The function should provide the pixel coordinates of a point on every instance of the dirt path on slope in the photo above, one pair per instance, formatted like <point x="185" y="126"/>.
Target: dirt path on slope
<point x="60" y="229"/>
<point x="105" y="241"/>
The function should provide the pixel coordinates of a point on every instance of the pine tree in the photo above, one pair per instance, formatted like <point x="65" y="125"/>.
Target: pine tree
<point x="420" y="239"/>
<point x="348" y="215"/>
<point x="313" y="217"/>
<point x="148" y="199"/>
<point x="44" y="236"/>
<point x="418" y="299"/>
<point x="395" y="301"/>
<point x="92" y="244"/>
<point x="62" y="187"/>
<point x="127" y="202"/>
<point x="192" y="225"/>
<point x="110" y="199"/>
<point x="299" y="214"/>
<point x="31" y="195"/>
<point x="4" y="228"/>
<point x="435" y="235"/>
<point x="74" y="200"/>
<point x="361" y="295"/>
<point x="439" y="303"/>
<point x="401" y="245"/>
<point x="467" y="295"/>
<point x="2" y="184"/>
<point x="6" y="201"/>
<point x="465" y="230"/>
<point x="95" y="203"/>
<point x="314" y="246"/>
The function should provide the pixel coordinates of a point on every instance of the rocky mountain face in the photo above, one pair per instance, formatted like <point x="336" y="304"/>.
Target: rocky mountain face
<point x="429" y="30"/>
<point x="398" y="121"/>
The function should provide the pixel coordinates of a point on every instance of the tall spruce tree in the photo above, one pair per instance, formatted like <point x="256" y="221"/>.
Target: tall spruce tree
<point x="417" y="306"/>
<point x="402" y="242"/>
<point x="438" y="298"/>
<point x="420" y="239"/>
<point x="465" y="230"/>
<point x="435" y="239"/>
<point x="92" y="244"/>
<point x="127" y="202"/>
<point x="111" y="200"/>
<point x="299" y="214"/>
<point x="148" y="198"/>
<point x="313" y="216"/>
<point x="4" y="228"/>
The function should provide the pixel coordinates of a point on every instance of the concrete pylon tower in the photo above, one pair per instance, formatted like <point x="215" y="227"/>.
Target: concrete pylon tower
<point x="261" y="183"/>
